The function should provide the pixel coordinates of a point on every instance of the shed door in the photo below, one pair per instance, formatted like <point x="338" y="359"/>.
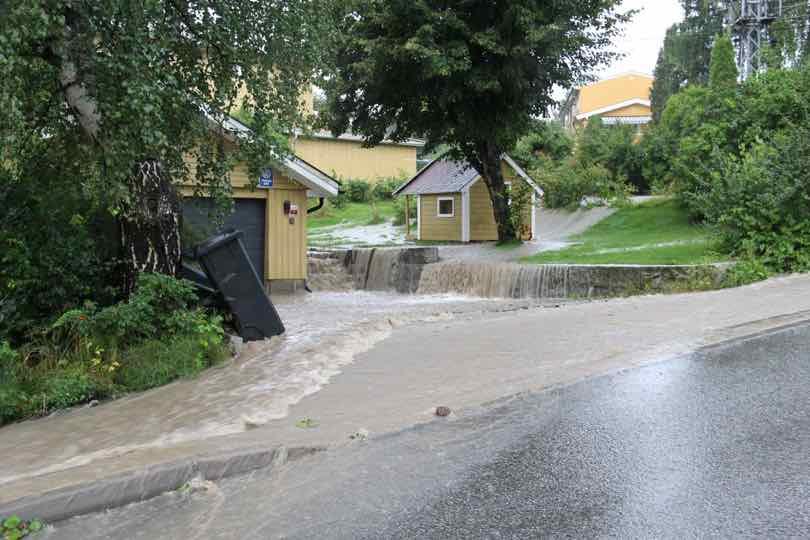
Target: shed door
<point x="248" y="216"/>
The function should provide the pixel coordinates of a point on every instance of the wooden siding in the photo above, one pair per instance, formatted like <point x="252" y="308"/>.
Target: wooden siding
<point x="613" y="91"/>
<point x="482" y="218"/>
<point x="285" y="243"/>
<point x="349" y="160"/>
<point x="433" y="227"/>
<point x="631" y="110"/>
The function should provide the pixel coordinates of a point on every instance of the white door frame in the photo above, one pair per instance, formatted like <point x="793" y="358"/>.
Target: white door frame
<point x="465" y="214"/>
<point x="418" y="217"/>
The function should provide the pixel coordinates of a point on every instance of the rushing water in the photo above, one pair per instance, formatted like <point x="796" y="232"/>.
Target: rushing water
<point x="496" y="280"/>
<point x="325" y="331"/>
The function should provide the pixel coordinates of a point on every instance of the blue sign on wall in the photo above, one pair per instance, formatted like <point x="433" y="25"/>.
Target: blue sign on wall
<point x="266" y="179"/>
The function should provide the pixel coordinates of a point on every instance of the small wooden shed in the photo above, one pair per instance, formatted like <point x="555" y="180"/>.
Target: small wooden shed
<point x="271" y="211"/>
<point x="453" y="202"/>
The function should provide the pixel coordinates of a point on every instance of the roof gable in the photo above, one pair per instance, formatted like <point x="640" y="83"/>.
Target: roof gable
<point x="444" y="175"/>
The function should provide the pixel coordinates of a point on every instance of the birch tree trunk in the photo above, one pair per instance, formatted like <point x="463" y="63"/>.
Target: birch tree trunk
<point x="150" y="225"/>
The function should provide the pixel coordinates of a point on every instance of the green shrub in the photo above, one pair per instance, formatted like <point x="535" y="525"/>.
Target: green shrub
<point x="567" y="184"/>
<point x="759" y="203"/>
<point x="64" y="388"/>
<point x="399" y="210"/>
<point x="383" y="189"/>
<point x="358" y="190"/>
<point x="340" y="201"/>
<point x="56" y="250"/>
<point x="155" y="363"/>
<point x="617" y="148"/>
<point x="745" y="272"/>
<point x="155" y="308"/>
<point x="545" y="141"/>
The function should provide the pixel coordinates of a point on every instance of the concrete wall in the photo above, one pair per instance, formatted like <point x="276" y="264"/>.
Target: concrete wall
<point x="433" y="227"/>
<point x="348" y="159"/>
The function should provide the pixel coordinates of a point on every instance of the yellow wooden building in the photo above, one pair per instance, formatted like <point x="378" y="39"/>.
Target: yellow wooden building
<point x="345" y="157"/>
<point x="624" y="99"/>
<point x="271" y="211"/>
<point x="453" y="202"/>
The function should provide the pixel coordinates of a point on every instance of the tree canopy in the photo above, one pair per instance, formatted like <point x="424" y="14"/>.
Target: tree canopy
<point x="118" y="80"/>
<point x="470" y="74"/>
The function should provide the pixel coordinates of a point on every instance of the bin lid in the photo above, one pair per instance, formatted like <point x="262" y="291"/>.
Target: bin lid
<point x="215" y="242"/>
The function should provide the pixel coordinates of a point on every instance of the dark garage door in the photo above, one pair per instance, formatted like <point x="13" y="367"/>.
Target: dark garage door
<point x="248" y="216"/>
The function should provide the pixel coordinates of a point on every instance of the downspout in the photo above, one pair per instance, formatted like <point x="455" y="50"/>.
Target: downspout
<point x="309" y="211"/>
<point x="317" y="206"/>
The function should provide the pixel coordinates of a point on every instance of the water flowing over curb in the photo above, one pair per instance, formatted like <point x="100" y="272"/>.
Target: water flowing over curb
<point x="418" y="270"/>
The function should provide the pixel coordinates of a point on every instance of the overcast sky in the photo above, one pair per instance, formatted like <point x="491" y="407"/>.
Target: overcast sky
<point x="644" y="35"/>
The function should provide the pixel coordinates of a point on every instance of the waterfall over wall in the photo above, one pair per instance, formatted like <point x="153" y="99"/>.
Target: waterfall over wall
<point x="418" y="270"/>
<point x="496" y="280"/>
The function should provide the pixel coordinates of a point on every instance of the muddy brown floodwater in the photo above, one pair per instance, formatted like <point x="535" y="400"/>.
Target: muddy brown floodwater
<point x="325" y="331"/>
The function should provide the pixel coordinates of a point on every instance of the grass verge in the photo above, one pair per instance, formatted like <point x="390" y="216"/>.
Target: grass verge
<point x="655" y="232"/>
<point x="351" y="214"/>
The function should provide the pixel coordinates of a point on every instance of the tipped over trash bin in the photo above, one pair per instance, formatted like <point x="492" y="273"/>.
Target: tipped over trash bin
<point x="224" y="260"/>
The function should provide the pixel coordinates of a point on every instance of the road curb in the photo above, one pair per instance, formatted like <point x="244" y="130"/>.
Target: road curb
<point x="151" y="481"/>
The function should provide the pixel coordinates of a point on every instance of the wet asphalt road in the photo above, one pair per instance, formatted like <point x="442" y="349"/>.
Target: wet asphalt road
<point x="717" y="444"/>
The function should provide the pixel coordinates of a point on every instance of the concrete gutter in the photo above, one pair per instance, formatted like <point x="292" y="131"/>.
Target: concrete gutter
<point x="151" y="481"/>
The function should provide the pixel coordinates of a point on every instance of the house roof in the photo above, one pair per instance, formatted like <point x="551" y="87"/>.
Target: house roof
<point x="321" y="134"/>
<point x="319" y="183"/>
<point x="614" y="107"/>
<point x="444" y="175"/>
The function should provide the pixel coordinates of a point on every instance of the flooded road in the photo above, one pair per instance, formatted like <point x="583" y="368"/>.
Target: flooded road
<point x="716" y="444"/>
<point x="325" y="331"/>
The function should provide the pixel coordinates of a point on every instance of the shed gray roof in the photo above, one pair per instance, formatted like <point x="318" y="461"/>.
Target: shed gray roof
<point x="444" y="175"/>
<point x="440" y="176"/>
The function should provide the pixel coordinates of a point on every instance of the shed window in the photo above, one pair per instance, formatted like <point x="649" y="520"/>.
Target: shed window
<point x="445" y="207"/>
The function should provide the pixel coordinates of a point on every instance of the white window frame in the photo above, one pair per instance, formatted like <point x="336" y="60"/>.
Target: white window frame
<point x="439" y="207"/>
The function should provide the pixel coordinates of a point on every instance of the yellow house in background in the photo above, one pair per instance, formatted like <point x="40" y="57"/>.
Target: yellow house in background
<point x="344" y="156"/>
<point x="623" y="99"/>
<point x="453" y="202"/>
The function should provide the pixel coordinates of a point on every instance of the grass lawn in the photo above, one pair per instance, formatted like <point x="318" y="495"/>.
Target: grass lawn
<point x="654" y="232"/>
<point x="350" y="214"/>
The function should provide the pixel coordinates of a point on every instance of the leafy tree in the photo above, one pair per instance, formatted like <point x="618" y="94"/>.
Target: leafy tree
<point x="544" y="141"/>
<point x="616" y="148"/>
<point x="113" y="93"/>
<point x="685" y="56"/>
<point x="469" y="73"/>
<point x="722" y="68"/>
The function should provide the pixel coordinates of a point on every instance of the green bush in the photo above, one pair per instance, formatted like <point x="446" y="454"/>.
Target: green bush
<point x="155" y="309"/>
<point x="56" y="251"/>
<point x="567" y="184"/>
<point x="545" y="141"/>
<point x="65" y="388"/>
<point x="759" y="205"/>
<point x="155" y="362"/>
<point x="745" y="272"/>
<point x="383" y="189"/>
<point x="358" y="190"/>
<point x="399" y="210"/>
<point x="617" y="148"/>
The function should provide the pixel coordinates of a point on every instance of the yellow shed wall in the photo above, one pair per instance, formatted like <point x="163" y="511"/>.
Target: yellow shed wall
<point x="348" y="159"/>
<point x="433" y="227"/>
<point x="613" y="91"/>
<point x="482" y="218"/>
<point x="285" y="245"/>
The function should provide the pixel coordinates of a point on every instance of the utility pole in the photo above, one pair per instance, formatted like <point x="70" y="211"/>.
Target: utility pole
<point x="749" y="21"/>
